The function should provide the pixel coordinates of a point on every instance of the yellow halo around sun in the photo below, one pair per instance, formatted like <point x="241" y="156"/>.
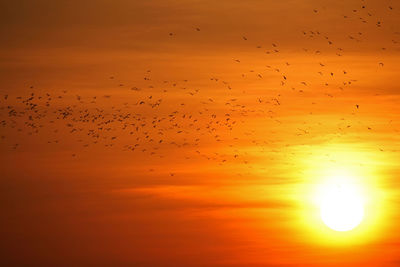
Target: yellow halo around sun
<point x="344" y="199"/>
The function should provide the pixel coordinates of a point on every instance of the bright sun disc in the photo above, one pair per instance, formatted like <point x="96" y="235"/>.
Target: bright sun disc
<point x="342" y="207"/>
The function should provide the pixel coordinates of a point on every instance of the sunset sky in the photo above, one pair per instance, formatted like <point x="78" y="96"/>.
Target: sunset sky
<point x="197" y="133"/>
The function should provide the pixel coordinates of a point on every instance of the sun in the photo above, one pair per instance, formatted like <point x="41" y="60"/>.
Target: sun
<point x="341" y="205"/>
<point x="343" y="200"/>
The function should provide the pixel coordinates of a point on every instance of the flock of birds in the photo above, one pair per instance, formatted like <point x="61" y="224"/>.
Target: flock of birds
<point x="152" y="122"/>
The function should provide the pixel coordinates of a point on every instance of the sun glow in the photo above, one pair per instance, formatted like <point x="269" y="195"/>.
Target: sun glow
<point x="344" y="199"/>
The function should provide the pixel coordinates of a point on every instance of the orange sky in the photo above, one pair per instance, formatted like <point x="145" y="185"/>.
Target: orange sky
<point x="195" y="133"/>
